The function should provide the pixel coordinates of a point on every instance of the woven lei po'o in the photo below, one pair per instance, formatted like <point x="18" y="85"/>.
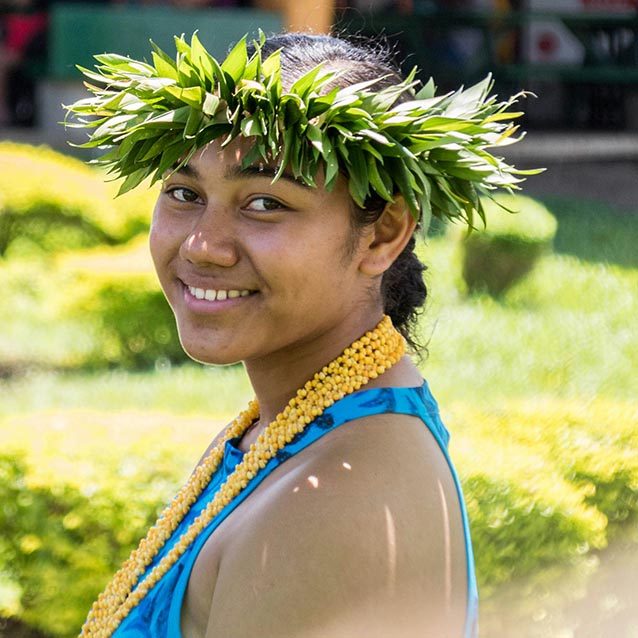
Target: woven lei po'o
<point x="368" y="357"/>
<point x="146" y="119"/>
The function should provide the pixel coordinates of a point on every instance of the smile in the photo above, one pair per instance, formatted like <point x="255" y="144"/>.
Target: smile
<point x="216" y="295"/>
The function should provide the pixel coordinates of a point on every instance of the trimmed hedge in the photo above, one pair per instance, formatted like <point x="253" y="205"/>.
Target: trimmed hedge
<point x="594" y="447"/>
<point x="71" y="511"/>
<point x="60" y="544"/>
<point x="496" y="257"/>
<point x="94" y="308"/>
<point x="541" y="483"/>
<point x="117" y="296"/>
<point x="51" y="202"/>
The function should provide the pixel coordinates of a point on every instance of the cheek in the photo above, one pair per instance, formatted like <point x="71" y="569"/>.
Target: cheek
<point x="316" y="270"/>
<point x="333" y="257"/>
<point x="164" y="248"/>
<point x="157" y="251"/>
<point x="164" y="241"/>
<point x="156" y="241"/>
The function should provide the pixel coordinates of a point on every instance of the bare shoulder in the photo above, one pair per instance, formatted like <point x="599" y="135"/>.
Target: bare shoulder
<point x="360" y="535"/>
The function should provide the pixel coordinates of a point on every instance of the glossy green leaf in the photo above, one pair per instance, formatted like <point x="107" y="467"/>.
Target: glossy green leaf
<point x="236" y="61"/>
<point x="431" y="149"/>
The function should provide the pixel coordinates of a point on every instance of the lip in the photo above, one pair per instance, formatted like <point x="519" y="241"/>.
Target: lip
<point x="206" y="306"/>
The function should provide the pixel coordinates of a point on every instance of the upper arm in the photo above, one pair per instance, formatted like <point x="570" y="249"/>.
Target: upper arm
<point x="350" y="544"/>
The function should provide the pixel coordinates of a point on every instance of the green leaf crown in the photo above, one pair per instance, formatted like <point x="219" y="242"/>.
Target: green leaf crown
<point x="433" y="150"/>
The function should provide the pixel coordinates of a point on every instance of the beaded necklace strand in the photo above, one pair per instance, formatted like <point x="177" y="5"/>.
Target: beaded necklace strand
<point x="368" y="357"/>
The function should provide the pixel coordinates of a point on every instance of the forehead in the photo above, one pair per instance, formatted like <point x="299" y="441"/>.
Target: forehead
<point x="215" y="161"/>
<point x="231" y="154"/>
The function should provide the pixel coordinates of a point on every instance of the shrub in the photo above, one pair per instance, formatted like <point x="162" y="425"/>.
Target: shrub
<point x="36" y="332"/>
<point x="546" y="480"/>
<point x="51" y="202"/>
<point x="72" y="510"/>
<point x="524" y="514"/>
<point x="97" y="307"/>
<point x="594" y="447"/>
<point x="60" y="546"/>
<point x="540" y="483"/>
<point x="116" y="295"/>
<point x="496" y="257"/>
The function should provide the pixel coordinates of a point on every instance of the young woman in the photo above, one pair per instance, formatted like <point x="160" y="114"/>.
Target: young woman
<point x="329" y="508"/>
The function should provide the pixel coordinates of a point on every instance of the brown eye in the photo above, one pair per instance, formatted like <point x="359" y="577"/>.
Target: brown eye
<point x="182" y="194"/>
<point x="264" y="204"/>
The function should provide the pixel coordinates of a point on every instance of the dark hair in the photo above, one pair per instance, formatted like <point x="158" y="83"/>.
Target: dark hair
<point x="403" y="290"/>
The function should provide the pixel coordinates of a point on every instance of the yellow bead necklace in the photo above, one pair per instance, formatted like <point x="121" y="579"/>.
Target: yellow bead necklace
<point x="368" y="357"/>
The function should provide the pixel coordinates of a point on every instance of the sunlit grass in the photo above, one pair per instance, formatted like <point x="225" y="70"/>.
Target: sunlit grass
<point x="188" y="390"/>
<point x="90" y="449"/>
<point x="568" y="330"/>
<point x="538" y="389"/>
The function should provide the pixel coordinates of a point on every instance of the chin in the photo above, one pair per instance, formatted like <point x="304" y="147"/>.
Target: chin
<point x="209" y="358"/>
<point x="214" y="361"/>
<point x="207" y="355"/>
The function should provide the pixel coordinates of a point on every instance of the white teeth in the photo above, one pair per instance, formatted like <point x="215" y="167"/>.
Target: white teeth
<point x="217" y="295"/>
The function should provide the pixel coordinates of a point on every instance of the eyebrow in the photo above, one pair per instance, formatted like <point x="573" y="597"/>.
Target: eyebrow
<point x="187" y="170"/>
<point x="259" y="170"/>
<point x="238" y="172"/>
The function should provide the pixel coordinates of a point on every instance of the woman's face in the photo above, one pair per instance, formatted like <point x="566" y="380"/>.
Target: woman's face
<point x="253" y="269"/>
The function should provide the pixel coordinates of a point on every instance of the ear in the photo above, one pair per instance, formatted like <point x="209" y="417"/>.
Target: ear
<point x="387" y="238"/>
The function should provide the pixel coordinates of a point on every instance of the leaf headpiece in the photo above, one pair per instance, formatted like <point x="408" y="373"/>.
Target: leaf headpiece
<point x="433" y="150"/>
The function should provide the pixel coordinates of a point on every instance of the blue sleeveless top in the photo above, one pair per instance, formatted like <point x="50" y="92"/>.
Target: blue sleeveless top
<point x="158" y="615"/>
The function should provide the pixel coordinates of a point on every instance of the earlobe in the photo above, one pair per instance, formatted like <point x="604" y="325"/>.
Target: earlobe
<point x="392" y="231"/>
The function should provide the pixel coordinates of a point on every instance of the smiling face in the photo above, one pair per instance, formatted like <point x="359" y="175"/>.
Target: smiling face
<point x="254" y="270"/>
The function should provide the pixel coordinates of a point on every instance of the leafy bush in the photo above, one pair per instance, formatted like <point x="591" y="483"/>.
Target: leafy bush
<point x="30" y="331"/>
<point x="569" y="472"/>
<point x="594" y="447"/>
<point x="117" y="297"/>
<point x="98" y="307"/>
<point x="51" y="202"/>
<point x="524" y="513"/>
<point x="60" y="543"/>
<point x="540" y="480"/>
<point x="67" y="522"/>
<point x="498" y="256"/>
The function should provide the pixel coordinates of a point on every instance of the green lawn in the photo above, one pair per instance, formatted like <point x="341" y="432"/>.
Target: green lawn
<point x="539" y="390"/>
<point x="568" y="330"/>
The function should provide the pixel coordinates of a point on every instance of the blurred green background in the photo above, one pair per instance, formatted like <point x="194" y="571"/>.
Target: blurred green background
<point x="102" y="416"/>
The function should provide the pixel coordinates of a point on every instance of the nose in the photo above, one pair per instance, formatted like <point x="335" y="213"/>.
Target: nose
<point x="212" y="240"/>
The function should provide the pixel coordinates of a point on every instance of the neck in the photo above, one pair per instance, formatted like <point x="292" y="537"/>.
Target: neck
<point x="276" y="378"/>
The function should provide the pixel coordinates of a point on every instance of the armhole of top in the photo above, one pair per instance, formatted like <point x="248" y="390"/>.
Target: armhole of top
<point x="418" y="402"/>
